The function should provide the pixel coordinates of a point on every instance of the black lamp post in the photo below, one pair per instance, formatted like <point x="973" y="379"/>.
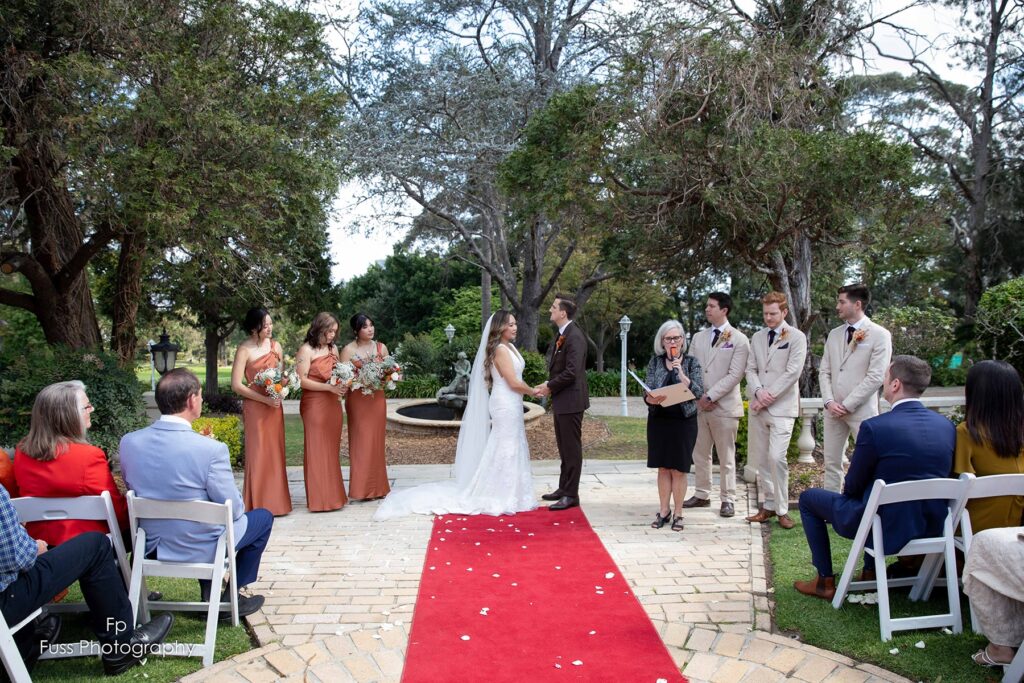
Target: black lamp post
<point x="165" y="354"/>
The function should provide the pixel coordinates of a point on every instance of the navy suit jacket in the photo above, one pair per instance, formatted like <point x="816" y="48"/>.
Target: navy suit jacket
<point x="908" y="443"/>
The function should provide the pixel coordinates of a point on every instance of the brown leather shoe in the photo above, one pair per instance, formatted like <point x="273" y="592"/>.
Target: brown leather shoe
<point x="761" y="516"/>
<point x="823" y="587"/>
<point x="786" y="522"/>
<point x="867" y="575"/>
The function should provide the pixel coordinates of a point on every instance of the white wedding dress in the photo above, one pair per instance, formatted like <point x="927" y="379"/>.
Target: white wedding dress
<point x="492" y="461"/>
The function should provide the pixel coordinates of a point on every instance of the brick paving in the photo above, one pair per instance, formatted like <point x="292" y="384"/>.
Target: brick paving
<point x="340" y="588"/>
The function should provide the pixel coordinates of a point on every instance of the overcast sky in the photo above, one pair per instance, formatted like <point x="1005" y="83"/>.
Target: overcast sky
<point x="354" y="249"/>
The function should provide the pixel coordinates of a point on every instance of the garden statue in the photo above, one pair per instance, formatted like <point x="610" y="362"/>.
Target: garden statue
<point x="454" y="394"/>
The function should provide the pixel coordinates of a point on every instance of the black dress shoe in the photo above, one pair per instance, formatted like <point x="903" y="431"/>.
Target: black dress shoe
<point x="564" y="503"/>
<point x="551" y="496"/>
<point x="246" y="605"/>
<point x="695" y="502"/>
<point x="728" y="510"/>
<point x="47" y="628"/>
<point x="145" y="639"/>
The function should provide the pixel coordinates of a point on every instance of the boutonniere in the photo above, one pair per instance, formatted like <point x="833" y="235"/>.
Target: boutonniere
<point x="782" y="335"/>
<point x="559" y="342"/>
<point x="858" y="337"/>
<point x="724" y="338"/>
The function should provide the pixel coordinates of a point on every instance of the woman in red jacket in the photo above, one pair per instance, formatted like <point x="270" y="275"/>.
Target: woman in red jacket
<point x="56" y="461"/>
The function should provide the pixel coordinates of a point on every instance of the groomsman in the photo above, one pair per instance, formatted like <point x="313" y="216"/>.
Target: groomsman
<point x="776" y="360"/>
<point x="722" y="352"/>
<point x="852" y="368"/>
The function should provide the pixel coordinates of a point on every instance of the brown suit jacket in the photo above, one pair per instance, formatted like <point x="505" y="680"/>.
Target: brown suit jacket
<point x="567" y="372"/>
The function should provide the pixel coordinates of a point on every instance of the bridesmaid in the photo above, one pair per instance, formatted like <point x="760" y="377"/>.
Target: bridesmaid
<point x="266" y="479"/>
<point x="321" y="416"/>
<point x="367" y="419"/>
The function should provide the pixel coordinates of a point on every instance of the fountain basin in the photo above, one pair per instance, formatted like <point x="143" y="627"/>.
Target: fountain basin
<point x="426" y="416"/>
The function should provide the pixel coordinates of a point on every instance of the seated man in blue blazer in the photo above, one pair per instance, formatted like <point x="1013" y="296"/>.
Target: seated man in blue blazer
<point x="908" y="443"/>
<point x="169" y="461"/>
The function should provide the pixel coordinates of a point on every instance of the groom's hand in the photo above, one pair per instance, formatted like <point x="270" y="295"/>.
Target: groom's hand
<point x="541" y="390"/>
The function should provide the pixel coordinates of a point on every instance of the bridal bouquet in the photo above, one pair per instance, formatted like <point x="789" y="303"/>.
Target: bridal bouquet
<point x="374" y="375"/>
<point x="275" y="383"/>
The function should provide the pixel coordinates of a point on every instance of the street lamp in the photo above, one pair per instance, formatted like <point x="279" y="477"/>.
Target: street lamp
<point x="449" y="332"/>
<point x="624" y="324"/>
<point x="164" y="354"/>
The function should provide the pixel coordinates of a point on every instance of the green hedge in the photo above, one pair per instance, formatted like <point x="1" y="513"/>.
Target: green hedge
<point x="114" y="392"/>
<point x="227" y="430"/>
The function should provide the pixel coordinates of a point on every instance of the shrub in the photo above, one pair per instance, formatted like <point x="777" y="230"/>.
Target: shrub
<point x="424" y="386"/>
<point x="923" y="332"/>
<point x="536" y="370"/>
<point x="114" y="392"/>
<point x="227" y="430"/>
<point x="223" y="402"/>
<point x="417" y="355"/>
<point x="1000" y="323"/>
<point x="607" y="383"/>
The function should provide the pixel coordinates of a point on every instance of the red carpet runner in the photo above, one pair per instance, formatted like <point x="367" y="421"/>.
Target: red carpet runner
<point x="528" y="597"/>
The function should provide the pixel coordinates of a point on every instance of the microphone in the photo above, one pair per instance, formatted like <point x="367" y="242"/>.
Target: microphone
<point x="673" y="353"/>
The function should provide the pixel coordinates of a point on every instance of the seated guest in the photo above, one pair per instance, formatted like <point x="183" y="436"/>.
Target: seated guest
<point x="56" y="461"/>
<point x="30" y="575"/>
<point x="991" y="439"/>
<point x="906" y="444"/>
<point x="169" y="461"/>
<point x="995" y="585"/>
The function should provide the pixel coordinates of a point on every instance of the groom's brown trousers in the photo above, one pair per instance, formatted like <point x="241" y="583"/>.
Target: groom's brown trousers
<point x="569" y="438"/>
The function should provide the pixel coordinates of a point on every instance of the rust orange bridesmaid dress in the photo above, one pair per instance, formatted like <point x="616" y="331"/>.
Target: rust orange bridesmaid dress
<point x="266" y="479"/>
<point x="322" y="417"/>
<point x="367" y="422"/>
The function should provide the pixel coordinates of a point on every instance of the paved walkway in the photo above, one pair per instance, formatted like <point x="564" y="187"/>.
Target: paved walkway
<point x="341" y="588"/>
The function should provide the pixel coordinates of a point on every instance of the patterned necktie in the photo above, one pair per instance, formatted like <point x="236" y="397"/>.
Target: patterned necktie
<point x="771" y="337"/>
<point x="714" y="338"/>
<point x="849" y="334"/>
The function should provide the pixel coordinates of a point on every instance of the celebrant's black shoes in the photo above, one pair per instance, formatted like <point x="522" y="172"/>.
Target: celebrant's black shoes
<point x="143" y="641"/>
<point x="564" y="503"/>
<point x="551" y="496"/>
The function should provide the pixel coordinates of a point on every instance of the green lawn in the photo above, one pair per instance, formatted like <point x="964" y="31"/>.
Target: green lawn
<point x="853" y="630"/>
<point x="188" y="628"/>
<point x="628" y="440"/>
<point x="223" y="373"/>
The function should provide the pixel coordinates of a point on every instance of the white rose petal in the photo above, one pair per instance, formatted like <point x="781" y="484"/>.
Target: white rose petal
<point x="577" y="662"/>
<point x="495" y="575"/>
<point x="947" y="631"/>
<point x="469" y="569"/>
<point x="465" y="637"/>
<point x="515" y="584"/>
<point x="556" y="566"/>
<point x="599" y="592"/>
<point x="894" y="651"/>
<point x="609" y="575"/>
<point x="592" y="633"/>
<point x="919" y="645"/>
<point x="558" y="666"/>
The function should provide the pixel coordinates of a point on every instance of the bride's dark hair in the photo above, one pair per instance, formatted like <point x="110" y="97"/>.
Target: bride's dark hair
<point x="498" y="324"/>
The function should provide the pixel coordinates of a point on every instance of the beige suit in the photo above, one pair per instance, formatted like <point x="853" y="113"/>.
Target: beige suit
<point x="851" y="374"/>
<point x="777" y="369"/>
<point x="723" y="365"/>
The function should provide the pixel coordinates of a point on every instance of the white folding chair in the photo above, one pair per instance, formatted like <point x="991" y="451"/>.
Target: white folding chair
<point x="97" y="508"/>
<point x="223" y="562"/>
<point x="1014" y="673"/>
<point x="954" y="493"/>
<point x="13" y="663"/>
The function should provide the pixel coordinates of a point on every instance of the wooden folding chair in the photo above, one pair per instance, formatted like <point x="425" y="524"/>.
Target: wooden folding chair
<point x="954" y="492"/>
<point x="140" y="509"/>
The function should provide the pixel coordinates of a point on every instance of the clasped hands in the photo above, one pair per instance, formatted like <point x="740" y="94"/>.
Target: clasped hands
<point x="762" y="399"/>
<point x="541" y="390"/>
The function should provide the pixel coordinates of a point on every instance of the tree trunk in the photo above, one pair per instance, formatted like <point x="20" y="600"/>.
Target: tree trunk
<point x="212" y="346"/>
<point x="127" y="295"/>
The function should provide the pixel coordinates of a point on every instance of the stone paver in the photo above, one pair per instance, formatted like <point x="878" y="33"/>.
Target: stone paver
<point x="341" y="588"/>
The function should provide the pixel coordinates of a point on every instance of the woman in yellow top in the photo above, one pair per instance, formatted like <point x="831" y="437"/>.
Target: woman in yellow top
<point x="991" y="439"/>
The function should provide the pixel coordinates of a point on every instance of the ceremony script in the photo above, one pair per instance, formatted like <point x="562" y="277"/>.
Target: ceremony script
<point x="675" y="393"/>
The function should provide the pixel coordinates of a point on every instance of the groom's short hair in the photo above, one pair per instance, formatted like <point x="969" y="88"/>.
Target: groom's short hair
<point x="567" y="305"/>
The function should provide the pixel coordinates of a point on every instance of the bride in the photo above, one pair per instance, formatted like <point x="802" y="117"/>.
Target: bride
<point x="492" y="459"/>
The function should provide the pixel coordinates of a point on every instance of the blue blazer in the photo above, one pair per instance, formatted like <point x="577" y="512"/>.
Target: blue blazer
<point x="168" y="461"/>
<point x="908" y="443"/>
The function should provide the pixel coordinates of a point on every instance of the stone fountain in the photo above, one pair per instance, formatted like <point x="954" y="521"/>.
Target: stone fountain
<point x="443" y="414"/>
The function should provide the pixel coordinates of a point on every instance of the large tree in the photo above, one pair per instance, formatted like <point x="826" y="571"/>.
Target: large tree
<point x="151" y="131"/>
<point x="970" y="132"/>
<point x="441" y="93"/>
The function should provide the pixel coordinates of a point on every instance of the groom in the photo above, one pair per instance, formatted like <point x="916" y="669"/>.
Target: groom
<point x="567" y="387"/>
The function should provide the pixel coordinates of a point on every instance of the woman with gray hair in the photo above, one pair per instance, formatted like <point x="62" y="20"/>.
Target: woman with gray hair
<point x="55" y="460"/>
<point x="672" y="430"/>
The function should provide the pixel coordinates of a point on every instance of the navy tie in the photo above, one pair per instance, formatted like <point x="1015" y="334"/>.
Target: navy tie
<point x="849" y="333"/>
<point x="714" y="338"/>
<point x="771" y="337"/>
